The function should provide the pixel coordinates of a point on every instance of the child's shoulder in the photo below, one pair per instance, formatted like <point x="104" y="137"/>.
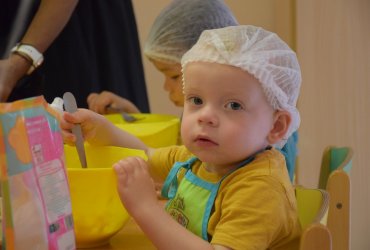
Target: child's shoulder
<point x="267" y="172"/>
<point x="268" y="162"/>
<point x="268" y="166"/>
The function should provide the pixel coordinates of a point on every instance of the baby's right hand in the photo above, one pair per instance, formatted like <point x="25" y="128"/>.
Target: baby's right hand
<point x="86" y="118"/>
<point x="135" y="186"/>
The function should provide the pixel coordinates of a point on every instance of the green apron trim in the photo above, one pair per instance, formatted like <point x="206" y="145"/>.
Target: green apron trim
<point x="191" y="202"/>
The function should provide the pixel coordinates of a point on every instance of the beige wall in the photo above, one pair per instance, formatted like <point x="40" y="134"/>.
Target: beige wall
<point x="333" y="44"/>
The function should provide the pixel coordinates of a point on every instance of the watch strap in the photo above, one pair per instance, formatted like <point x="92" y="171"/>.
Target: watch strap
<point x="30" y="53"/>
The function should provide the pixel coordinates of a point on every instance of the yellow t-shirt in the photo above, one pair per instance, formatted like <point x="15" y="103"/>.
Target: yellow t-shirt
<point x="255" y="207"/>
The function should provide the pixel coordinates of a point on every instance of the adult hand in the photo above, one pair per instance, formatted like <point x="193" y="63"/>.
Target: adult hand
<point x="107" y="102"/>
<point x="11" y="70"/>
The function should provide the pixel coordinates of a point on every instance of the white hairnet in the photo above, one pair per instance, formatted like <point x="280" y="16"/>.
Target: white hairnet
<point x="262" y="54"/>
<point x="180" y="24"/>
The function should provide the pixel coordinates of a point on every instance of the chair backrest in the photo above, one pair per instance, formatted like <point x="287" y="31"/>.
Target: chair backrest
<point x="312" y="207"/>
<point x="334" y="178"/>
<point x="339" y="219"/>
<point x="334" y="158"/>
<point x="316" y="237"/>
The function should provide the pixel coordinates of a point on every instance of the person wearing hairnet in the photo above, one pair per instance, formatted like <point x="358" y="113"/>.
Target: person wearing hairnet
<point x="228" y="187"/>
<point x="174" y="32"/>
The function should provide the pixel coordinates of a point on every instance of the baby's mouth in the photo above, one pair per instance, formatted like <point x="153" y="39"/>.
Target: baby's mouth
<point x="204" y="141"/>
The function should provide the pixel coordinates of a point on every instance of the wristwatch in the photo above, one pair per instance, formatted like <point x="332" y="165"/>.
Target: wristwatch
<point x="30" y="53"/>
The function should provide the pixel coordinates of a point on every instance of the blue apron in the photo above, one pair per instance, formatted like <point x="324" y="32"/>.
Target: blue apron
<point x="191" y="202"/>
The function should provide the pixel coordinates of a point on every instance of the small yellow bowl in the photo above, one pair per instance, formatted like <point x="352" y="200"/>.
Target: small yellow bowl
<point x="97" y="210"/>
<point x="155" y="130"/>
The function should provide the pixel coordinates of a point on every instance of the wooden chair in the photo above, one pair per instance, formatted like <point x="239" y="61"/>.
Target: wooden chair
<point x="334" y="177"/>
<point x="334" y="158"/>
<point x="312" y="207"/>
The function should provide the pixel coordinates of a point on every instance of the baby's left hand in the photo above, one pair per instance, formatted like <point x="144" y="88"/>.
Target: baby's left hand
<point x="135" y="185"/>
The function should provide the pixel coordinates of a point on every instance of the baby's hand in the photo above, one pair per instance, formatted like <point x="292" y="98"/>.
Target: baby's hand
<point x="99" y="102"/>
<point x="107" y="102"/>
<point x="85" y="118"/>
<point x="135" y="186"/>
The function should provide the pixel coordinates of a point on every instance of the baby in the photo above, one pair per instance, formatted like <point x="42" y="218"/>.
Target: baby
<point x="228" y="187"/>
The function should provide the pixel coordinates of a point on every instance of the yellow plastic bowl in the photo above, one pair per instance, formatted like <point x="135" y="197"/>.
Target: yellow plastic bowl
<point x="96" y="207"/>
<point x="155" y="130"/>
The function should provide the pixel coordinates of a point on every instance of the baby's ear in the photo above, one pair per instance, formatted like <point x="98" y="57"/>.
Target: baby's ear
<point x="280" y="127"/>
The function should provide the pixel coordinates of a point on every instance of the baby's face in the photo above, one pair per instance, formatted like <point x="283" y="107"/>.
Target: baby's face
<point x="226" y="115"/>
<point x="173" y="81"/>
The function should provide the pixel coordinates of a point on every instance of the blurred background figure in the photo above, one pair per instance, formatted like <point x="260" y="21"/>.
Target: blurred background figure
<point x="88" y="46"/>
<point x="174" y="31"/>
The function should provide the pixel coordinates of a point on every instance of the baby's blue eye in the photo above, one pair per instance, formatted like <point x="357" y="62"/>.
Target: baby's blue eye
<point x="234" y="106"/>
<point x="196" y="100"/>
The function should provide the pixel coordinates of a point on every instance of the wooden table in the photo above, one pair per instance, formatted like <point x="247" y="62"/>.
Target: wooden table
<point x="129" y="238"/>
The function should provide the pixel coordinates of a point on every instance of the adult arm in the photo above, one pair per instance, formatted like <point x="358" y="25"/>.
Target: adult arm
<point x="48" y="22"/>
